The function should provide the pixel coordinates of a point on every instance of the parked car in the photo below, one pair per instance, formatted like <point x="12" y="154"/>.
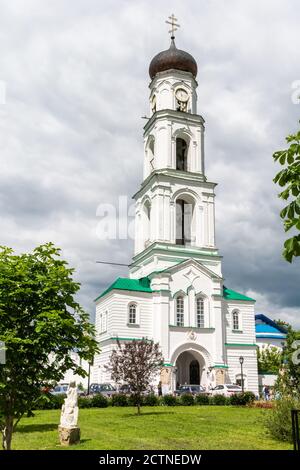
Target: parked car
<point x="105" y="389"/>
<point x="125" y="389"/>
<point x="192" y="389"/>
<point x="227" y="390"/>
<point x="62" y="389"/>
<point x="59" y="389"/>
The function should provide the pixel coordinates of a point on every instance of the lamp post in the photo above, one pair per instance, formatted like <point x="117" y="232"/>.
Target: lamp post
<point x="91" y="363"/>
<point x="242" y="379"/>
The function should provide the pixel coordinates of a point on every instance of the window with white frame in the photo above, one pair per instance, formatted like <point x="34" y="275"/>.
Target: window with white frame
<point x="179" y="311"/>
<point x="105" y="321"/>
<point x="200" y="312"/>
<point x="132" y="314"/>
<point x="235" y="320"/>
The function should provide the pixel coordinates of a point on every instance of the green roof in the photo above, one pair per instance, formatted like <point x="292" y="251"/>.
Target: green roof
<point x="232" y="295"/>
<point x="143" y="285"/>
<point x="124" y="283"/>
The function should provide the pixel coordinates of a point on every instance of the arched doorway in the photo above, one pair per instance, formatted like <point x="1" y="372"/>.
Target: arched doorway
<point x="194" y="372"/>
<point x="190" y="369"/>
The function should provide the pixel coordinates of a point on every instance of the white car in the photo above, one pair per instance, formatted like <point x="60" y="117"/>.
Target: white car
<point x="227" y="390"/>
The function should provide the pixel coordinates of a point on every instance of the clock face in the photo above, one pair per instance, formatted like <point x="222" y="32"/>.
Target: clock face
<point x="181" y="95"/>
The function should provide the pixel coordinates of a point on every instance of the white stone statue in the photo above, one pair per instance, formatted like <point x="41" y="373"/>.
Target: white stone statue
<point x="69" y="410"/>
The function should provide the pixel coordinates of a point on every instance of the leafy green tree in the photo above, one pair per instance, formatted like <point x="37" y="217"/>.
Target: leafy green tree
<point x="269" y="359"/>
<point x="136" y="363"/>
<point x="289" y="378"/>
<point x="289" y="179"/>
<point x="40" y="324"/>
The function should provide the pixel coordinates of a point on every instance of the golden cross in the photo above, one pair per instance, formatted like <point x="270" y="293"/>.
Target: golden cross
<point x="174" y="25"/>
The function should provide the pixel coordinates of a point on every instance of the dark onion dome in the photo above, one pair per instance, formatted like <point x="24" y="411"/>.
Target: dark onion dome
<point x="172" y="58"/>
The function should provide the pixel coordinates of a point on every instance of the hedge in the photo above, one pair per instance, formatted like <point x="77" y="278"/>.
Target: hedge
<point x="51" y="402"/>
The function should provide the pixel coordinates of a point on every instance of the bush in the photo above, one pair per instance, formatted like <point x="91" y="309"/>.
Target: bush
<point x="169" y="400"/>
<point x="119" y="400"/>
<point x="219" y="400"/>
<point x="202" y="399"/>
<point x="133" y="400"/>
<point x="279" y="421"/>
<point x="84" y="402"/>
<point x="186" y="399"/>
<point x="150" y="400"/>
<point x="99" y="401"/>
<point x="242" y="399"/>
<point x="263" y="404"/>
<point x="50" y="402"/>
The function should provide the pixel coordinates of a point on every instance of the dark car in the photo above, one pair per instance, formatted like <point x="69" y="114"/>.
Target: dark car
<point x="191" y="389"/>
<point x="105" y="389"/>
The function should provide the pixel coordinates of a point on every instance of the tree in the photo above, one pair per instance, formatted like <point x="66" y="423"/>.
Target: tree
<point x="289" y="378"/>
<point x="269" y="359"/>
<point x="40" y="324"/>
<point x="136" y="363"/>
<point x="289" y="177"/>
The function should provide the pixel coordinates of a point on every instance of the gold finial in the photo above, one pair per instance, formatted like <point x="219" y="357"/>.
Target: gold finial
<point x="174" y="25"/>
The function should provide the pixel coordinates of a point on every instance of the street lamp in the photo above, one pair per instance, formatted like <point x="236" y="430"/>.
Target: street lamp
<point x="241" y="359"/>
<point x="91" y="363"/>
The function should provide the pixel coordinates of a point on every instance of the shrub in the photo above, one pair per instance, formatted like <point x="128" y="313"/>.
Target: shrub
<point x="84" y="402"/>
<point x="202" y="399"/>
<point x="119" y="400"/>
<point x="219" y="400"/>
<point x="263" y="404"/>
<point x="99" y="401"/>
<point x="151" y="400"/>
<point x="187" y="399"/>
<point x="50" y="402"/>
<point x="133" y="400"/>
<point x="169" y="400"/>
<point x="242" y="399"/>
<point x="279" y="421"/>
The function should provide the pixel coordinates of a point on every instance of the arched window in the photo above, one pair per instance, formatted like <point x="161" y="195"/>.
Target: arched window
<point x="105" y="321"/>
<point x="132" y="320"/>
<point x="200" y="313"/>
<point x="235" y="320"/>
<point x="179" y="311"/>
<point x="147" y="223"/>
<point x="181" y="154"/>
<point x="184" y="218"/>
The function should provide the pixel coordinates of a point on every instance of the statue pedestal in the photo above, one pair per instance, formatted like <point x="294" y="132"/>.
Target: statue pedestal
<point x="69" y="436"/>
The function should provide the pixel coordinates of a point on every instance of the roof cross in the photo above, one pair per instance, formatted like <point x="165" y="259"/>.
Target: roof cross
<point x="174" y="25"/>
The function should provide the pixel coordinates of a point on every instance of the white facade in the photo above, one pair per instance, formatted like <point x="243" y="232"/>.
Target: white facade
<point x="174" y="293"/>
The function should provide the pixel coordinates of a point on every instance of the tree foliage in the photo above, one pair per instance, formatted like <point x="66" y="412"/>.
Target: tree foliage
<point x="40" y="323"/>
<point x="269" y="359"/>
<point x="289" y="179"/>
<point x="136" y="363"/>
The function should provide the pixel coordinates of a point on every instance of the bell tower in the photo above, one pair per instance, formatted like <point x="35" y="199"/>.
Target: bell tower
<point x="174" y="217"/>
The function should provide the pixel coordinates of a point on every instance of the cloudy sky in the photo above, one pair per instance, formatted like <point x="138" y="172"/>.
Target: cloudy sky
<point x="76" y="78"/>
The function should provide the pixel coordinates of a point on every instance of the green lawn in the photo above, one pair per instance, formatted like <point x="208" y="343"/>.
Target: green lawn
<point x="197" y="427"/>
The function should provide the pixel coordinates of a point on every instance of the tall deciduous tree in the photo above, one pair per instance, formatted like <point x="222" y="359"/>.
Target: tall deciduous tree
<point x="136" y="363"/>
<point x="289" y="179"/>
<point x="40" y="324"/>
<point x="269" y="359"/>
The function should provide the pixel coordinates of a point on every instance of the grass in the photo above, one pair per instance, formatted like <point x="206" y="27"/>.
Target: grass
<point x="197" y="427"/>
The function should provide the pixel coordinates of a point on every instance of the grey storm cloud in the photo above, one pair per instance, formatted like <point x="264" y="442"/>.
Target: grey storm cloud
<point x="76" y="76"/>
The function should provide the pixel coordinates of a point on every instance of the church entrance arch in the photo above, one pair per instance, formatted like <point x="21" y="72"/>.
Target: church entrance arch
<point x="190" y="366"/>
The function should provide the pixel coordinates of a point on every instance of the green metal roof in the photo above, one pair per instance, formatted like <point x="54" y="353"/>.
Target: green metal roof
<point x="124" y="283"/>
<point x="232" y="295"/>
<point x="143" y="285"/>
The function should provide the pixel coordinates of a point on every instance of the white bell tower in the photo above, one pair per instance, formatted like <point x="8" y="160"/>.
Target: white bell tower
<point x="175" y="217"/>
